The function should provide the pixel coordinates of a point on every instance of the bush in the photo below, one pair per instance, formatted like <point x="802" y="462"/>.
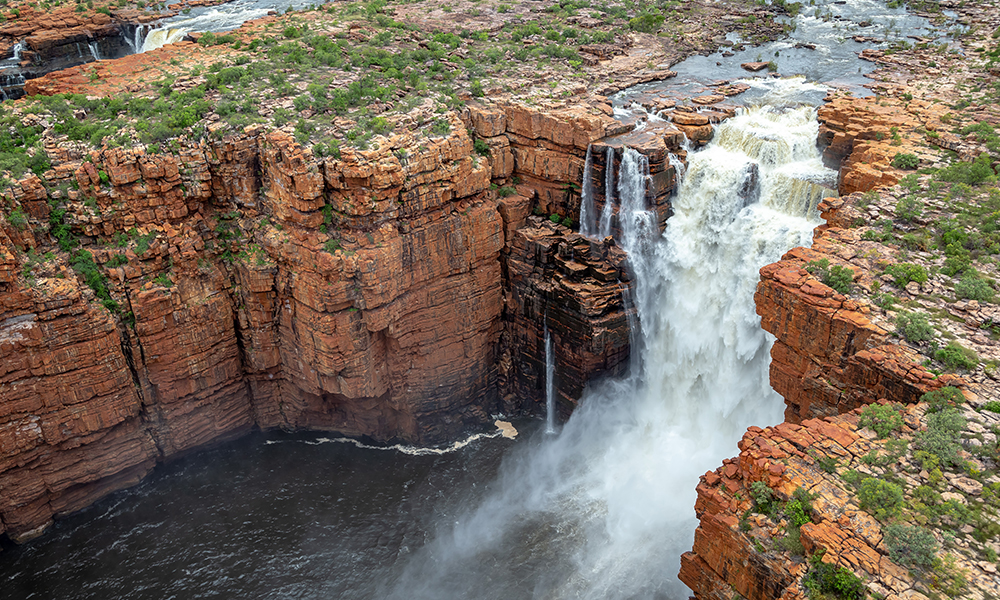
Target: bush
<point x="914" y="327"/>
<point x="904" y="273"/>
<point x="941" y="438"/>
<point x="481" y="148"/>
<point x="943" y="398"/>
<point x="476" y="89"/>
<point x="763" y="497"/>
<point x="506" y="191"/>
<point x="441" y="127"/>
<point x="824" y="578"/>
<point x="910" y="545"/>
<point x="909" y="208"/>
<point x="837" y="277"/>
<point x="969" y="173"/>
<point x="646" y="23"/>
<point x="905" y="161"/>
<point x="957" y="356"/>
<point x="84" y="265"/>
<point x="992" y="406"/>
<point x="883" y="419"/>
<point x="880" y="498"/>
<point x="974" y="287"/>
<point x="555" y="218"/>
<point x="18" y="219"/>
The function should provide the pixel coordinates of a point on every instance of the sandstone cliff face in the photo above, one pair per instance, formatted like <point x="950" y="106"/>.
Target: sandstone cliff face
<point x="71" y="420"/>
<point x="828" y="357"/>
<point x="259" y="286"/>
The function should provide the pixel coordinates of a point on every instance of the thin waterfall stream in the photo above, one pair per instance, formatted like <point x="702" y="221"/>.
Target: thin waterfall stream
<point x="550" y="382"/>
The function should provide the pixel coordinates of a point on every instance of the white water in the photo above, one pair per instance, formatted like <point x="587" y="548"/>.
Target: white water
<point x="138" y="38"/>
<point x="94" y="51"/>
<point x="159" y="38"/>
<point x="587" y="211"/>
<point x="679" y="167"/>
<point x="550" y="382"/>
<point x="604" y="509"/>
<point x="17" y="51"/>
<point x="604" y="229"/>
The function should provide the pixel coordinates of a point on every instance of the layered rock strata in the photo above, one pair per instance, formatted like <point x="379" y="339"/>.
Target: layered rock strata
<point x="396" y="293"/>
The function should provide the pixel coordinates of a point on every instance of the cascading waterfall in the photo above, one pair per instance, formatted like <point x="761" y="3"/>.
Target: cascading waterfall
<point x="679" y="167"/>
<point x="159" y="38"/>
<point x="550" y="382"/>
<point x="587" y="211"/>
<point x="604" y="509"/>
<point x="94" y="50"/>
<point x="604" y="229"/>
<point x="17" y="51"/>
<point x="138" y="37"/>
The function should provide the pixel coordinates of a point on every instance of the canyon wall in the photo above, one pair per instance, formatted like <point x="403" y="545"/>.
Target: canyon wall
<point x="155" y="303"/>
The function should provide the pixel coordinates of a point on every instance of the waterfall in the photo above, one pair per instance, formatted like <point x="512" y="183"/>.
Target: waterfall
<point x="678" y="166"/>
<point x="605" y="508"/>
<point x="159" y="38"/>
<point x="138" y="37"/>
<point x="587" y="216"/>
<point x="94" y="51"/>
<point x="17" y="51"/>
<point x="609" y="194"/>
<point x="550" y="382"/>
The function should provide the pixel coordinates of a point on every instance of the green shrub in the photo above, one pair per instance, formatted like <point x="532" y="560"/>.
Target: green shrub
<point x="910" y="546"/>
<point x="883" y="419"/>
<point x="909" y="208"/>
<point x="971" y="173"/>
<point x="83" y="263"/>
<point x="476" y="88"/>
<point x="18" y="219"/>
<point x="992" y="406"/>
<point x="837" y="277"/>
<point x="914" y="327"/>
<point x="799" y="508"/>
<point x="506" y="191"/>
<point x="555" y="218"/>
<point x="646" y="23"/>
<point x="880" y="498"/>
<point x="117" y="260"/>
<point x="481" y="147"/>
<point x="941" y="438"/>
<point x="763" y="497"/>
<point x="441" y="127"/>
<point x="957" y="356"/>
<point x="943" y="398"/>
<point x="904" y="273"/>
<point x="974" y="287"/>
<point x="826" y="579"/>
<point x="567" y="222"/>
<point x="905" y="161"/>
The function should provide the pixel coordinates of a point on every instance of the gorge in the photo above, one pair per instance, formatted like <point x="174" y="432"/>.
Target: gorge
<point x="410" y="289"/>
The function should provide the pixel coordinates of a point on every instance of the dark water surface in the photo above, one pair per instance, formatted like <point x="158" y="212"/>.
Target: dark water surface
<point x="268" y="516"/>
